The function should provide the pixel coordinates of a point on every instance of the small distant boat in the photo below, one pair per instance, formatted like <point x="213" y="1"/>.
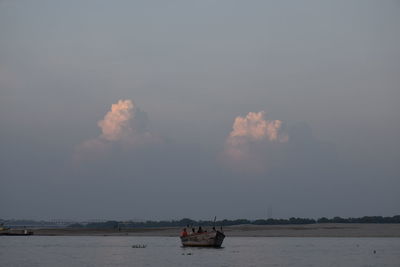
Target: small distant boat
<point x="9" y="231"/>
<point x="139" y="246"/>
<point x="16" y="233"/>
<point x="205" y="239"/>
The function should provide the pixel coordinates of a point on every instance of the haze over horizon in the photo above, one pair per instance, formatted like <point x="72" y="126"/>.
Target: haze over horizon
<point x="156" y="110"/>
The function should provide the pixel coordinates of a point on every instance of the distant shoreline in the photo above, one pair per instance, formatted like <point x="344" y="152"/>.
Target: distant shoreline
<point x="309" y="230"/>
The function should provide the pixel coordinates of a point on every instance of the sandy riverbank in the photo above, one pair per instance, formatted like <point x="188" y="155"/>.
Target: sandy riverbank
<point x="311" y="230"/>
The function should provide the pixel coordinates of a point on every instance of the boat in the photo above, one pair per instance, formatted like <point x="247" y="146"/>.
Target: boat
<point x="205" y="239"/>
<point x="17" y="233"/>
<point x="8" y="231"/>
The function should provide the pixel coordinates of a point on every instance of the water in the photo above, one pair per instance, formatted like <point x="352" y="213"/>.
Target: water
<point x="166" y="251"/>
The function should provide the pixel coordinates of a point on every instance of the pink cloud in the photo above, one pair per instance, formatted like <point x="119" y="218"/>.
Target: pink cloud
<point x="250" y="132"/>
<point x="123" y="124"/>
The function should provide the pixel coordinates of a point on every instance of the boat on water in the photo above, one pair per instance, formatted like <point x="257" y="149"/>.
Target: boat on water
<point x="8" y="231"/>
<point x="20" y="232"/>
<point x="205" y="239"/>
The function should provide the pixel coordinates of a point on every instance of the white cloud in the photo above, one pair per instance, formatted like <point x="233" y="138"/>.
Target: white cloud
<point x="123" y="124"/>
<point x="250" y="134"/>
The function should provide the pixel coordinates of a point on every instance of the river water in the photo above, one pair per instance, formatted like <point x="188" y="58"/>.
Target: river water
<point x="166" y="251"/>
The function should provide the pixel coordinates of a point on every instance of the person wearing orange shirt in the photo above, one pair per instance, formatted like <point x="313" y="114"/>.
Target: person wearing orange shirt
<point x="184" y="233"/>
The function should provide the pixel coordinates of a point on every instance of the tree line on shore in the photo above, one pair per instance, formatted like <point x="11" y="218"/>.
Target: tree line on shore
<point x="113" y="224"/>
<point x="186" y="221"/>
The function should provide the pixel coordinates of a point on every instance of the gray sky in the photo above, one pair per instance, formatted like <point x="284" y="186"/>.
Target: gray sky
<point x="187" y="139"/>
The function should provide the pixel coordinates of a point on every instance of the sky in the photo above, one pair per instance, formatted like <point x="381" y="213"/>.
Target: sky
<point x="171" y="109"/>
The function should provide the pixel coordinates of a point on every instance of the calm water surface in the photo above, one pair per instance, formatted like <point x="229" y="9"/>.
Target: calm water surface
<point x="166" y="251"/>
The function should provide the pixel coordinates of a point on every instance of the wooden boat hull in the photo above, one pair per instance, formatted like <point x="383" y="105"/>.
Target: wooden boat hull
<point x="212" y="239"/>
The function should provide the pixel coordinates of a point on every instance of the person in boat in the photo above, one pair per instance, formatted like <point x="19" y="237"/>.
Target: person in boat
<point x="184" y="233"/>
<point x="214" y="230"/>
<point x="200" y="230"/>
<point x="193" y="231"/>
